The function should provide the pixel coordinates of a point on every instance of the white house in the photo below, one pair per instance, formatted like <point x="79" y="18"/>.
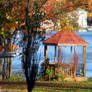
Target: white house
<point x="82" y="17"/>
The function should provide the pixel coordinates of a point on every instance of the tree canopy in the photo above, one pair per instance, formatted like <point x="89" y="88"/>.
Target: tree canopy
<point x="12" y="12"/>
<point x="26" y="16"/>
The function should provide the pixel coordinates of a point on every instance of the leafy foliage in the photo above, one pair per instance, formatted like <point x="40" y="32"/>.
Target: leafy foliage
<point x="49" y="72"/>
<point x="26" y="16"/>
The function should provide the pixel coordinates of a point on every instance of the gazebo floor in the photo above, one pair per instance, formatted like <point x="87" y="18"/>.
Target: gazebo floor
<point x="76" y="79"/>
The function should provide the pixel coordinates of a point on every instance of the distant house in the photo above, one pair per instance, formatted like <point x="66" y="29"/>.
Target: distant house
<point x="82" y="17"/>
<point x="84" y="21"/>
<point x="85" y="18"/>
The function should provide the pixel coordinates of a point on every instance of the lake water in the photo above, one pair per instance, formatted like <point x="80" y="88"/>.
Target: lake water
<point x="66" y="53"/>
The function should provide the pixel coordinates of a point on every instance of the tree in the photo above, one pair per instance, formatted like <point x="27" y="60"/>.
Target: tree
<point x="31" y="38"/>
<point x="30" y="58"/>
<point x="69" y="21"/>
<point x="7" y="24"/>
<point x="27" y="16"/>
<point x="28" y="22"/>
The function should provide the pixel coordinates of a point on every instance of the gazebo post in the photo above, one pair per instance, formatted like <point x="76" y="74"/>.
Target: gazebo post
<point x="74" y="61"/>
<point x="71" y="53"/>
<point x="7" y="73"/>
<point x="0" y="68"/>
<point x="10" y="67"/>
<point x="84" y="61"/>
<point x="71" y="50"/>
<point x="74" y="50"/>
<point x="3" y="76"/>
<point x="71" y="63"/>
<point x="45" y="52"/>
<point x="55" y="53"/>
<point x="59" y="53"/>
<point x="45" y="57"/>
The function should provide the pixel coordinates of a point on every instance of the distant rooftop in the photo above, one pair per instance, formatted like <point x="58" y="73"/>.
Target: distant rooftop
<point x="7" y="55"/>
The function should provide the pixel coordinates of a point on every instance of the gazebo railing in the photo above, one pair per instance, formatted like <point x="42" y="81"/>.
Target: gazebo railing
<point x="67" y="69"/>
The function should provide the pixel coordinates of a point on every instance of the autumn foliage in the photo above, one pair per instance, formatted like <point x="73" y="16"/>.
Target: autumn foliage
<point x="26" y="16"/>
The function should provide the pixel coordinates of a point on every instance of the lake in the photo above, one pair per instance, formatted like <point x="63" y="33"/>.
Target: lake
<point x="16" y="65"/>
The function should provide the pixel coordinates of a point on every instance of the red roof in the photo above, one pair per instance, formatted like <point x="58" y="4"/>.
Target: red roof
<point x="65" y="38"/>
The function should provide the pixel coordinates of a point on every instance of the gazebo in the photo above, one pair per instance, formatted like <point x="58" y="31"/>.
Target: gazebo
<point x="66" y="38"/>
<point x="6" y="61"/>
<point x="6" y="64"/>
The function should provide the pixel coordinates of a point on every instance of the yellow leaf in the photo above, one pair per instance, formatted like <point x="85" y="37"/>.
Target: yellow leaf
<point x="2" y="29"/>
<point x="13" y="28"/>
<point x="16" y="22"/>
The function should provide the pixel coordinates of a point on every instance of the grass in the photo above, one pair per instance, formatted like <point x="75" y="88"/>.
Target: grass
<point x="49" y="90"/>
<point x="63" y="87"/>
<point x="16" y="78"/>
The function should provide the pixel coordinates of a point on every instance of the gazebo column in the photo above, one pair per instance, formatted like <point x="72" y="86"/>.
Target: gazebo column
<point x="71" y="53"/>
<point x="59" y="60"/>
<point x="84" y="61"/>
<point x="10" y="67"/>
<point x="70" y="73"/>
<point x="0" y="68"/>
<point x="45" y="57"/>
<point x="59" y="54"/>
<point x="55" y="59"/>
<point x="71" y="49"/>
<point x="45" y="52"/>
<point x="74" y="51"/>
<point x="55" y="53"/>
<point x="74" y="60"/>
<point x="7" y="73"/>
<point x="4" y="68"/>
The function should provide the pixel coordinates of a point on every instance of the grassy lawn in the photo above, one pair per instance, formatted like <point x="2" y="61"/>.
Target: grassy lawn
<point x="60" y="90"/>
<point x="19" y="85"/>
<point x="49" y="90"/>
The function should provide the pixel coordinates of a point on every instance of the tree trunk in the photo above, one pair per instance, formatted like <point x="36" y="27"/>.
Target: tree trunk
<point x="29" y="87"/>
<point x="30" y="84"/>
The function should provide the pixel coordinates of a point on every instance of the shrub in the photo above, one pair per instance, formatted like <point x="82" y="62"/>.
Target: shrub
<point x="49" y="72"/>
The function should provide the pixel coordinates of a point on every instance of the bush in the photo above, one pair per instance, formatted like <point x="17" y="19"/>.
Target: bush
<point x="54" y="80"/>
<point x="49" y="72"/>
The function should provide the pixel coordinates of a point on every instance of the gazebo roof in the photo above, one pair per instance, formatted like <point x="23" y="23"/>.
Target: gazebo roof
<point x="65" y="38"/>
<point x="7" y="55"/>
